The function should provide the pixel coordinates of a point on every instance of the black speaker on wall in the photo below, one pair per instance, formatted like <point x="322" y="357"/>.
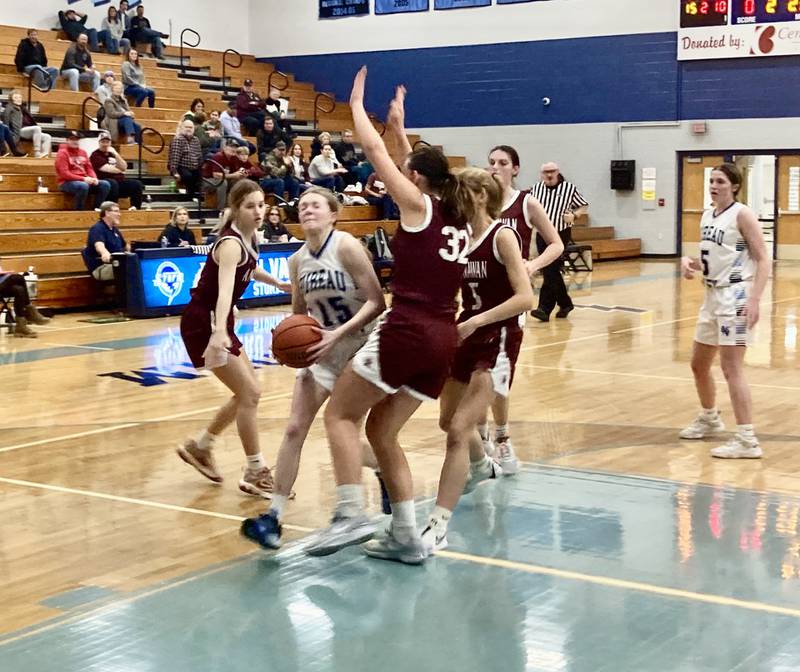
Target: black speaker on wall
<point x="623" y="175"/>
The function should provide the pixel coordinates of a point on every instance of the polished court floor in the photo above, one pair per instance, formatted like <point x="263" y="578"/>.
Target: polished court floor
<point x="619" y="547"/>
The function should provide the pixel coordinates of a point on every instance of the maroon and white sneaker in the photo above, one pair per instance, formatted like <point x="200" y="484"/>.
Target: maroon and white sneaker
<point x="202" y="460"/>
<point x="257" y="482"/>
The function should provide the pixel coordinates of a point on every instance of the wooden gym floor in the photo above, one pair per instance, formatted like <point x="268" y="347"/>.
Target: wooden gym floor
<point x="610" y="550"/>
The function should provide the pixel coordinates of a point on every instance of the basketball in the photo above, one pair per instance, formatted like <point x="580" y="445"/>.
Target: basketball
<point x="291" y="339"/>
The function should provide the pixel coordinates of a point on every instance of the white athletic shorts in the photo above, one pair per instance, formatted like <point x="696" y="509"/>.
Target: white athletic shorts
<point x="721" y="321"/>
<point x="327" y="371"/>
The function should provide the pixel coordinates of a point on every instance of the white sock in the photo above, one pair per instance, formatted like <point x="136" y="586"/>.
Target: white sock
<point x="206" y="440"/>
<point x="404" y="520"/>
<point x="746" y="431"/>
<point x="483" y="430"/>
<point x="350" y="500"/>
<point x="278" y="505"/>
<point x="440" y="517"/>
<point x="255" y="462"/>
<point x="501" y="432"/>
<point x="710" y="413"/>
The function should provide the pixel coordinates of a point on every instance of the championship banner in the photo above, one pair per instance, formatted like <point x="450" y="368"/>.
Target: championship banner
<point x="460" y="4"/>
<point x="336" y="9"/>
<point x="97" y="3"/>
<point x="398" y="6"/>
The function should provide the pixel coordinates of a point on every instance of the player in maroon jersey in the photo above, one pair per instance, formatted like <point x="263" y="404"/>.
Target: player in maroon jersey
<point x="522" y="212"/>
<point x="495" y="290"/>
<point x="207" y="331"/>
<point x="407" y="357"/>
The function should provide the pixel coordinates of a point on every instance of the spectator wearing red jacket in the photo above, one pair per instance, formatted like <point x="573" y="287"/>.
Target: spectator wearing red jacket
<point x="250" y="108"/>
<point x="222" y="171"/>
<point x="76" y="175"/>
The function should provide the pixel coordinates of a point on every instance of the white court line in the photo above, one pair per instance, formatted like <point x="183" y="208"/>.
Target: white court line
<point x="611" y="582"/>
<point x="639" y="328"/>
<point x="140" y="502"/>
<point x="114" y="428"/>
<point x="646" y="375"/>
<point x="70" y="345"/>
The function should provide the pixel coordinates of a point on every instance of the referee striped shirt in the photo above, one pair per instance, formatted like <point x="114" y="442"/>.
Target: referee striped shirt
<point x="558" y="200"/>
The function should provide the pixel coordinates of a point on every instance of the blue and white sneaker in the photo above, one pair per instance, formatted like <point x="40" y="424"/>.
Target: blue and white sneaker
<point x="386" y="503"/>
<point x="482" y="472"/>
<point x="386" y="547"/>
<point x="342" y="532"/>
<point x="264" y="530"/>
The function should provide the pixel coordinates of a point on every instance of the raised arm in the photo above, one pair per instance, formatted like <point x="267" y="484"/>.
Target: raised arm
<point x="404" y="192"/>
<point x="541" y="222"/>
<point x="396" y="123"/>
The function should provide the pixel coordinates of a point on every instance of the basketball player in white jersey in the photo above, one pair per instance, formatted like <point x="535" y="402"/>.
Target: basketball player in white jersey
<point x="333" y="280"/>
<point x="735" y="267"/>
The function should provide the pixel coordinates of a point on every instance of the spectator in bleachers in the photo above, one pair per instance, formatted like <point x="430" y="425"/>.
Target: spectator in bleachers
<point x="278" y="107"/>
<point x="141" y="31"/>
<point x="7" y="144"/>
<point x="275" y="171"/>
<point x="104" y="239"/>
<point x="177" y="233"/>
<point x="185" y="159"/>
<point x="134" y="81"/>
<point x="13" y="285"/>
<point x="348" y="156"/>
<point x="31" y="59"/>
<point x="212" y="128"/>
<point x="109" y="164"/>
<point x="119" y="118"/>
<point x="223" y="173"/>
<point x="376" y="194"/>
<point x="74" y="27"/>
<point x="299" y="167"/>
<point x="323" y="138"/>
<point x="232" y="128"/>
<point x="76" y="175"/>
<point x="114" y="28"/>
<point x="105" y="90"/>
<point x="250" y="108"/>
<point x="325" y="171"/>
<point x="197" y="107"/>
<point x="78" y="66"/>
<point x="22" y="125"/>
<point x="252" y="171"/>
<point x="269" y="136"/>
<point x="273" y="228"/>
<point x="125" y="16"/>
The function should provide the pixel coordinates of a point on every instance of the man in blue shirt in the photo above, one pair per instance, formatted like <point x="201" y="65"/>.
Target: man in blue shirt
<point x="104" y="239"/>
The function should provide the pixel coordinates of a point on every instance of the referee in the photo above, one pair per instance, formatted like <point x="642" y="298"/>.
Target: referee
<point x="563" y="203"/>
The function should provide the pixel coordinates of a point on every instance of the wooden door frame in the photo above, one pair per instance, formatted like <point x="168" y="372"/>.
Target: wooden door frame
<point x="682" y="154"/>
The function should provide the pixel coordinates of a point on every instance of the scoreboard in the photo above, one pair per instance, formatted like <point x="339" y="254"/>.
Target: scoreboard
<point x="738" y="28"/>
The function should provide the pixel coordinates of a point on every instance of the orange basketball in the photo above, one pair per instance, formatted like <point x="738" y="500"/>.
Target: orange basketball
<point x="292" y="338"/>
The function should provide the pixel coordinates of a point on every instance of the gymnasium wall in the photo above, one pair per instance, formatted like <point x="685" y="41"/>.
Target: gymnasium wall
<point x="201" y="15"/>
<point x="477" y="77"/>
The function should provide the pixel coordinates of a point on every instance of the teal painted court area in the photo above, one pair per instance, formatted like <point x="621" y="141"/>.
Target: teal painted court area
<point x="556" y="569"/>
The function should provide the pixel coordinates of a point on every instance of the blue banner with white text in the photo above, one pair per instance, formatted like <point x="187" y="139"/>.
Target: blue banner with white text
<point x="97" y="3"/>
<point x="337" y="9"/>
<point x="460" y="4"/>
<point x="399" y="6"/>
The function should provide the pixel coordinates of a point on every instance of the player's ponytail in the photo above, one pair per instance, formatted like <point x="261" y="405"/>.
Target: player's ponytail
<point x="432" y="164"/>
<point x="474" y="193"/>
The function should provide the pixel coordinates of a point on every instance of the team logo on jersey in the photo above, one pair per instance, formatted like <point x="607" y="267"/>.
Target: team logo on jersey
<point x="725" y="330"/>
<point x="168" y="280"/>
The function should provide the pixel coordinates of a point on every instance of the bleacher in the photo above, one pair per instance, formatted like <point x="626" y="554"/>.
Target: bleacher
<point x="41" y="230"/>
